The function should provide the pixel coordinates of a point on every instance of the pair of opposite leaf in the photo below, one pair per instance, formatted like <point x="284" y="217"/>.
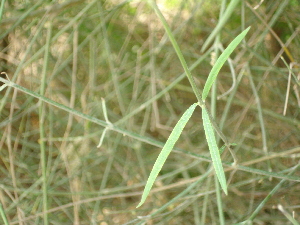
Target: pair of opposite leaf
<point x="208" y="128"/>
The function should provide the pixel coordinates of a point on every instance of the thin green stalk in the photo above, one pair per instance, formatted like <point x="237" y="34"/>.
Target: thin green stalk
<point x="260" y="114"/>
<point x="213" y="109"/>
<point x="274" y="190"/>
<point x="82" y="115"/>
<point x="219" y="202"/>
<point x="110" y="60"/>
<point x="229" y="100"/>
<point x="205" y="201"/>
<point x="3" y="215"/>
<point x="107" y="172"/>
<point x="260" y="117"/>
<point x="42" y="115"/>
<point x="288" y="120"/>
<point x="1" y="9"/>
<point x="196" y="211"/>
<point x="178" y="52"/>
<point x="243" y="18"/>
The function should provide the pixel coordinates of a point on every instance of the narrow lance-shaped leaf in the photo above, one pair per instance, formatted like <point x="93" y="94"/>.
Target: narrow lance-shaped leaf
<point x="166" y="151"/>
<point x="220" y="62"/>
<point x="213" y="149"/>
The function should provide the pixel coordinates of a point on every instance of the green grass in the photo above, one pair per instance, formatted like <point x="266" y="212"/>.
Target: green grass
<point x="95" y="89"/>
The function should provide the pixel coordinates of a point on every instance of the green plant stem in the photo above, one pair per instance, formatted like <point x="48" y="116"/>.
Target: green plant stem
<point x="213" y="108"/>
<point x="178" y="52"/>
<point x="275" y="189"/>
<point x="82" y="115"/>
<point x="41" y="126"/>
<point x="148" y="140"/>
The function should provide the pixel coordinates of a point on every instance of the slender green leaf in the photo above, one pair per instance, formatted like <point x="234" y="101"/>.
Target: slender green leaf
<point x="213" y="149"/>
<point x="166" y="151"/>
<point x="220" y="62"/>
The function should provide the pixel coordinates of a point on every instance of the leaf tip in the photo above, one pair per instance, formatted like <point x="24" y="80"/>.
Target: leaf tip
<point x="141" y="202"/>
<point x="224" y="186"/>
<point x="246" y="30"/>
<point x="226" y="192"/>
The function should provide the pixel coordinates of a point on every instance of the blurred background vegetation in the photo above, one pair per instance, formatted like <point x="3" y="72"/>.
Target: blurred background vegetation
<point x="78" y="52"/>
